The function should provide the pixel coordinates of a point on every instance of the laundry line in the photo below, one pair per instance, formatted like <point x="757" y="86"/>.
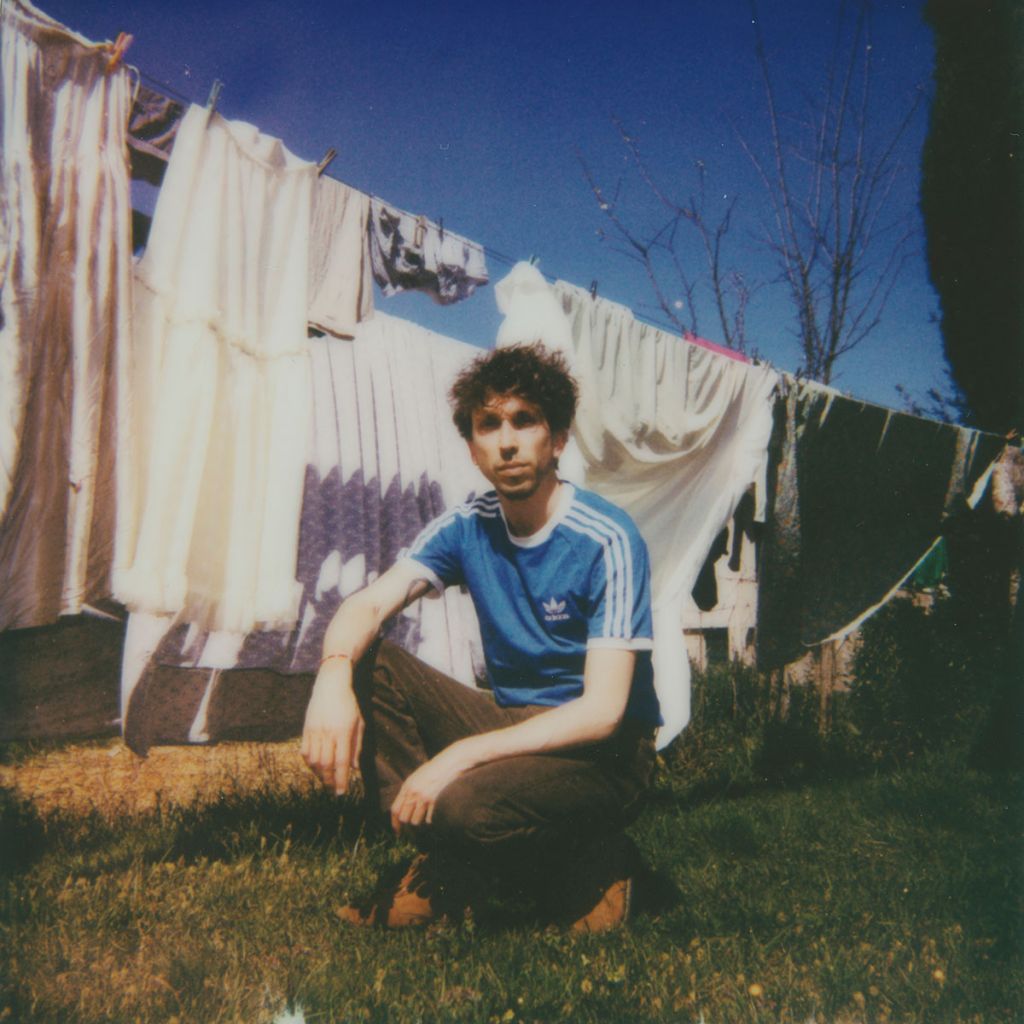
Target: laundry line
<point x="493" y="254"/>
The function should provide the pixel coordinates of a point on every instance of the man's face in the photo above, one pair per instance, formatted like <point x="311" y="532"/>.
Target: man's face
<point x="513" y="446"/>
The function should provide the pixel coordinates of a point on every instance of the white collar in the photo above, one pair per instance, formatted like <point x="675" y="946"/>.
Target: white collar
<point x="565" y="500"/>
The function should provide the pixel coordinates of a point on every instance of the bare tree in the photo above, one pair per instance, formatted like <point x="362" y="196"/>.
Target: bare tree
<point x="827" y="178"/>
<point x="828" y="185"/>
<point x="665" y="253"/>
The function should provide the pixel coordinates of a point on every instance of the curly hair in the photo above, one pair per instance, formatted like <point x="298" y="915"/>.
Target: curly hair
<point x="528" y="371"/>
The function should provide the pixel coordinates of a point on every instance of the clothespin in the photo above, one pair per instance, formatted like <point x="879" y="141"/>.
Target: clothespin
<point x="533" y="260"/>
<point x="440" y="227"/>
<point x="593" y="289"/>
<point x="325" y="160"/>
<point x="420" y="233"/>
<point x="211" y="103"/>
<point x="117" y="50"/>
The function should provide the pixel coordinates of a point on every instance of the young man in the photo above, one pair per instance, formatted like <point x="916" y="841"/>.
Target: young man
<point x="532" y="782"/>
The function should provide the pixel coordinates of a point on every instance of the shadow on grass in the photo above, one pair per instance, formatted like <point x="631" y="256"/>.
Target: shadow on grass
<point x="222" y="830"/>
<point x="22" y="832"/>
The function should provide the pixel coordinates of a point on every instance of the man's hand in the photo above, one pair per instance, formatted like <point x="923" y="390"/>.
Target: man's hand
<point x="332" y="735"/>
<point x="415" y="802"/>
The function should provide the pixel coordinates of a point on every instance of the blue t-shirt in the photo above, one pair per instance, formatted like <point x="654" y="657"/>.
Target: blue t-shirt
<point x="581" y="581"/>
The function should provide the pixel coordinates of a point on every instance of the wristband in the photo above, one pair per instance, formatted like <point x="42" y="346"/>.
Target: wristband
<point x="327" y="657"/>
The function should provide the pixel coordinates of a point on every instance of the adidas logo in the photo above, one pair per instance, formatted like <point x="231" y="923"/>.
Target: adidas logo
<point x="554" y="610"/>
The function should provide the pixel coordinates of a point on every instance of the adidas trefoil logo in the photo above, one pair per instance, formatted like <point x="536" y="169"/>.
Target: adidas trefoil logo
<point x="554" y="610"/>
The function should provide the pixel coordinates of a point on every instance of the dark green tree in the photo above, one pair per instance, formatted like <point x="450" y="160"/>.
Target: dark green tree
<point x="972" y="199"/>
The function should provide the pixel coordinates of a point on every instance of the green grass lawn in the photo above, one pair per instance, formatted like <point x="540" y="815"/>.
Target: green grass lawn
<point x="893" y="896"/>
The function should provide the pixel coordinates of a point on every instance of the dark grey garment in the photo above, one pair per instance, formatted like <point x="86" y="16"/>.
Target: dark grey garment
<point x="856" y="494"/>
<point x="152" y="127"/>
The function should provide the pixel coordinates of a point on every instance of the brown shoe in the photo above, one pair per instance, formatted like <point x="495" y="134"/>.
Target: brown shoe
<point x="420" y="899"/>
<point x="611" y="910"/>
<point x="596" y="893"/>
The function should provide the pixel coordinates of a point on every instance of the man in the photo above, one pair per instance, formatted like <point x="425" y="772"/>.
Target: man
<point x="532" y="783"/>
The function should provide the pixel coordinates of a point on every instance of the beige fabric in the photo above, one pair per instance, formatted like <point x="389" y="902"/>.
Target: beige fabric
<point x="340" y="275"/>
<point x="65" y="251"/>
<point x="211" y="487"/>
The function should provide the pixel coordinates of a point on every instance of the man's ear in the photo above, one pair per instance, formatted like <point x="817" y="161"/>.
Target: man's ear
<point x="558" y="441"/>
<point x="472" y="454"/>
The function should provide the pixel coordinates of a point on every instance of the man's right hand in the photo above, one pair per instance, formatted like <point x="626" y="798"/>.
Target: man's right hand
<point x="332" y="735"/>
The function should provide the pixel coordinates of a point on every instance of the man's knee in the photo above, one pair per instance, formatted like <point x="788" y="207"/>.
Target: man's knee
<point x="463" y="815"/>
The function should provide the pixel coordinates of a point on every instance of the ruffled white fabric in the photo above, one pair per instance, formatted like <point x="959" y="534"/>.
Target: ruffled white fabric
<point x="210" y="470"/>
<point x="381" y="414"/>
<point x="673" y="433"/>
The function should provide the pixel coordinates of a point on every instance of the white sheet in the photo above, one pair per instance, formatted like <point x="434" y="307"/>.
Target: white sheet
<point x="211" y="488"/>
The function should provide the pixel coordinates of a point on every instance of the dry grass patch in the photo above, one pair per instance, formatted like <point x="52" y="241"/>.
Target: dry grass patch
<point x="113" y="782"/>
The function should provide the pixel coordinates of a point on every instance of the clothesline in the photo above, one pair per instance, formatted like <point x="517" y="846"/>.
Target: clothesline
<point x="492" y="253"/>
<point x="503" y="258"/>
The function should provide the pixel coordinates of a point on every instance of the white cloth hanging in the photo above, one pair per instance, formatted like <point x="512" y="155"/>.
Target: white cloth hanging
<point x="210" y="473"/>
<point x="673" y="433"/>
<point x="383" y="459"/>
<point x="65" y="266"/>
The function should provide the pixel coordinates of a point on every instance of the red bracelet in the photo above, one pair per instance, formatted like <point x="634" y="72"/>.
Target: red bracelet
<point x="328" y="657"/>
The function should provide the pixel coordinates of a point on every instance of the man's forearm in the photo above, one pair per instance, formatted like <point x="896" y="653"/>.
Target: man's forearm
<point x="574" y="724"/>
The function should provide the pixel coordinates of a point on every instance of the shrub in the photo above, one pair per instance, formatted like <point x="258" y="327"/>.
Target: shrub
<point x="921" y="681"/>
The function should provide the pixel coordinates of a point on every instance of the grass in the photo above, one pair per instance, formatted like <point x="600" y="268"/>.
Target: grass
<point x="890" y="896"/>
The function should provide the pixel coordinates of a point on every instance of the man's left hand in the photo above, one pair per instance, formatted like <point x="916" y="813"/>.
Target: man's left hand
<point x="415" y="802"/>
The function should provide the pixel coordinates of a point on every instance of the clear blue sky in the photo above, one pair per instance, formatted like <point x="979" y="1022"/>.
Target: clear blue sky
<point x="476" y="113"/>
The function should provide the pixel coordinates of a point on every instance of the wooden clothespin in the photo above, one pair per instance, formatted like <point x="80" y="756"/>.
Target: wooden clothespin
<point x="593" y="289"/>
<point x="211" y="103"/>
<point x="325" y="160"/>
<point x="117" y="50"/>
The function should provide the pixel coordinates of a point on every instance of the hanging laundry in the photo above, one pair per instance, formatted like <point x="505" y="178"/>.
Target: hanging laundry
<point x="410" y="252"/>
<point x="705" y="587"/>
<point x="857" y="495"/>
<point x="673" y="433"/>
<point x="340" y="276"/>
<point x="152" y="127"/>
<point x="384" y="459"/>
<point x="65" y="252"/>
<point x="210" y="487"/>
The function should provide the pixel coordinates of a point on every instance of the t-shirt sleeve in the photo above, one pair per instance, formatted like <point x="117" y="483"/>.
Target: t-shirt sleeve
<point x="620" y="594"/>
<point x="439" y="551"/>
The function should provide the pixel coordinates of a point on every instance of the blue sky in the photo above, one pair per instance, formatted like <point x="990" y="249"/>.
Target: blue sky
<point x="478" y="114"/>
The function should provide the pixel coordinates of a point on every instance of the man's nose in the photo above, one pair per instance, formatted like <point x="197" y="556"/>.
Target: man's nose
<point x="507" y="439"/>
